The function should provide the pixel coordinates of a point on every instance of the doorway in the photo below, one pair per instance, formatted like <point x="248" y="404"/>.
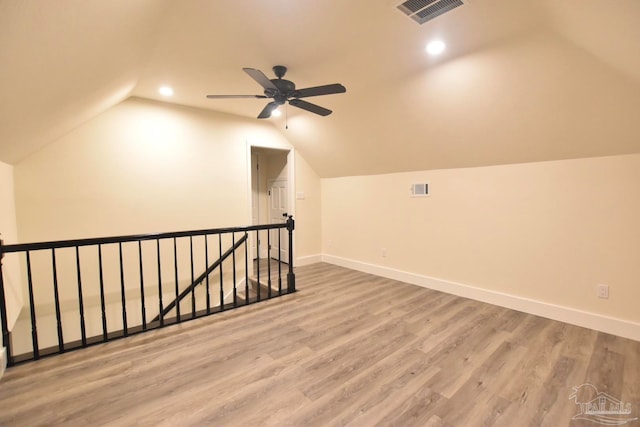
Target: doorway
<point x="271" y="197"/>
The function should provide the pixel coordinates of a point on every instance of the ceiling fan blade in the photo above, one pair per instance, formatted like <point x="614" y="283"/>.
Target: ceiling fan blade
<point x="310" y="107"/>
<point x="266" y="111"/>
<point x="234" y="96"/>
<point x="320" y="90"/>
<point x="259" y="76"/>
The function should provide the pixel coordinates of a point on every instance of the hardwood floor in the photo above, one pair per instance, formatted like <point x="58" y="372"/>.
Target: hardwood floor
<point x="347" y="349"/>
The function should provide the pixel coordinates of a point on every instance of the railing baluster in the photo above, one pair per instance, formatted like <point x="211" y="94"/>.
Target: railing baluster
<point x="56" y="298"/>
<point x="257" y="262"/>
<point x="269" y="263"/>
<point x="193" y="289"/>
<point x="142" y="302"/>
<point x="160" y="315"/>
<point x="125" y="329"/>
<point x="233" y="257"/>
<point x="177" y="286"/>
<point x="206" y="257"/>
<point x="279" y="261"/>
<point x="32" y="310"/>
<point x="246" y="268"/>
<point x="291" y="277"/>
<point x="4" y="321"/>
<point x="221" y="284"/>
<point x="105" y="336"/>
<point x="83" y="331"/>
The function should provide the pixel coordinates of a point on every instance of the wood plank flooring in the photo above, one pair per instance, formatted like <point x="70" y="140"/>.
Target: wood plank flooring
<point x="348" y="349"/>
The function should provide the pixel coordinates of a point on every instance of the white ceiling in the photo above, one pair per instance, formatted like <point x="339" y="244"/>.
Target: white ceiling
<point x="520" y="80"/>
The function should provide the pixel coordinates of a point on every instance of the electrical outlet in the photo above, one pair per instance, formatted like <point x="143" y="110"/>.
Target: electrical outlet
<point x="603" y="291"/>
<point x="383" y="252"/>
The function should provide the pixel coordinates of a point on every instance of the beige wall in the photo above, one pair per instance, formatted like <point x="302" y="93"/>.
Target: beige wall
<point x="8" y="233"/>
<point x="308" y="210"/>
<point x="144" y="167"/>
<point x="140" y="167"/>
<point x="549" y="232"/>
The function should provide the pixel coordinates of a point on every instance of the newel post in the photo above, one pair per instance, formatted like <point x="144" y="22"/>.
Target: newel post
<point x="291" y="277"/>
<point x="6" y="340"/>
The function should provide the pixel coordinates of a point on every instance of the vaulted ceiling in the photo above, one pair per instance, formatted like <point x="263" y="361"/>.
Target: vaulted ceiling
<point x="520" y="80"/>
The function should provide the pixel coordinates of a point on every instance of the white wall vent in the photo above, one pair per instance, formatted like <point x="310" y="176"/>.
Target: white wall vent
<point x="420" y="190"/>
<point x="422" y="11"/>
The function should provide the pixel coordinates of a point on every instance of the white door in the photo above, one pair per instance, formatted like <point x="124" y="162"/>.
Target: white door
<point x="278" y="209"/>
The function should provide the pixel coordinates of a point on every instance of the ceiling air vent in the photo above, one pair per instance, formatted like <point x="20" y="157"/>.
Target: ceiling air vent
<point x="422" y="11"/>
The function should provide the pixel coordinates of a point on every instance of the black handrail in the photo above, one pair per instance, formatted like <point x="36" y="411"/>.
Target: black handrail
<point x="67" y="271"/>
<point x="200" y="278"/>
<point x="58" y="244"/>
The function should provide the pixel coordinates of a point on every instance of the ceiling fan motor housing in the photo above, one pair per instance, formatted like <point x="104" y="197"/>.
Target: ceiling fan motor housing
<point x="285" y="90"/>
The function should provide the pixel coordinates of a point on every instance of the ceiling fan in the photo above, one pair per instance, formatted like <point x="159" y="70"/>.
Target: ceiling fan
<point x="283" y="91"/>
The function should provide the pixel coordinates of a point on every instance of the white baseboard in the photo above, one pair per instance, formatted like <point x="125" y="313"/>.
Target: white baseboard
<point x="598" y="322"/>
<point x="3" y="360"/>
<point x="307" y="260"/>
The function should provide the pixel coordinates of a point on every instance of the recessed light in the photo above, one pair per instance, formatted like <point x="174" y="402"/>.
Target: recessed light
<point x="276" y="113"/>
<point x="436" y="47"/>
<point x="165" y="91"/>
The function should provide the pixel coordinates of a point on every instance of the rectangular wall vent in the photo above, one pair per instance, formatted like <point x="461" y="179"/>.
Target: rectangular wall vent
<point x="422" y="11"/>
<point x="420" y="190"/>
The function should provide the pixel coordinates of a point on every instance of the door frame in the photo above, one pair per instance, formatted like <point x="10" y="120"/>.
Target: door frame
<point x="291" y="200"/>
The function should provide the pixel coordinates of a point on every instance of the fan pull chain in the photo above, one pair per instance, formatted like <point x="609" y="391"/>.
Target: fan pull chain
<point x="286" y="116"/>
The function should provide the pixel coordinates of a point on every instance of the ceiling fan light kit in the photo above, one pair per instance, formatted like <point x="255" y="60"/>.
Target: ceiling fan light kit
<point x="283" y="91"/>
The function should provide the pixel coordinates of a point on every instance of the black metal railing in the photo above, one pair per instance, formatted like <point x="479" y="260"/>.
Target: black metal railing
<point x="89" y="291"/>
<point x="191" y="288"/>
